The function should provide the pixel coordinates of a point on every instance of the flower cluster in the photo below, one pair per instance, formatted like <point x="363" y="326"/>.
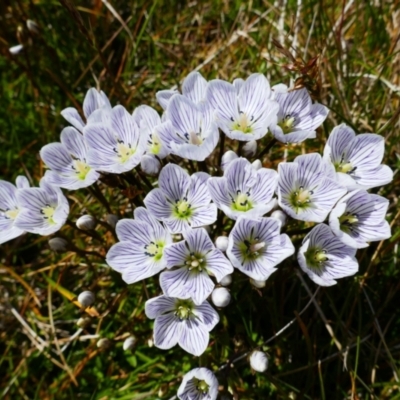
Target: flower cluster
<point x="170" y="230"/>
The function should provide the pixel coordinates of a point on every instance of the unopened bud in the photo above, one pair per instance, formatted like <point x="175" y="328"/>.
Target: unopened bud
<point x="222" y="243"/>
<point x="86" y="222"/>
<point x="86" y="298"/>
<point x="257" y="164"/>
<point x="83" y="322"/>
<point x="32" y="26"/>
<point x="129" y="343"/>
<point x="250" y="148"/>
<point x="227" y="158"/>
<point x="280" y="216"/>
<point x="150" y="164"/>
<point x="221" y="297"/>
<point x="112" y="220"/>
<point x="103" y="343"/>
<point x="226" y="280"/>
<point x="257" y="284"/>
<point x="258" y="361"/>
<point x="16" y="49"/>
<point x="58" y="244"/>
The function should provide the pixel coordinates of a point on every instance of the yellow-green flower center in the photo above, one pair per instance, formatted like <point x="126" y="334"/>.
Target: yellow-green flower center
<point x="182" y="209"/>
<point x="154" y="144"/>
<point x="347" y="221"/>
<point x="316" y="258"/>
<point x="196" y="262"/>
<point x="183" y="309"/>
<point x="154" y="249"/>
<point x="252" y="249"/>
<point x="81" y="169"/>
<point x="12" y="214"/>
<point x="344" y="167"/>
<point x="48" y="213"/>
<point x="287" y="124"/>
<point x="244" y="124"/>
<point x="195" y="139"/>
<point x="124" y="151"/>
<point x="300" y="199"/>
<point x="242" y="202"/>
<point x="201" y="386"/>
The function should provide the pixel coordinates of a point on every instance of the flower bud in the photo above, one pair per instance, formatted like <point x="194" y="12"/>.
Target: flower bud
<point x="58" y="244"/>
<point x="111" y="220"/>
<point x="257" y="284"/>
<point x="86" y="298"/>
<point x="103" y="343"/>
<point x="83" y="322"/>
<point x="227" y="158"/>
<point x="32" y="26"/>
<point x="86" y="222"/>
<point x="221" y="297"/>
<point x="280" y="216"/>
<point x="222" y="243"/>
<point x="226" y="280"/>
<point x="16" y="49"/>
<point x="150" y="164"/>
<point x="250" y="148"/>
<point x="129" y="343"/>
<point x="258" y="361"/>
<point x="257" y="164"/>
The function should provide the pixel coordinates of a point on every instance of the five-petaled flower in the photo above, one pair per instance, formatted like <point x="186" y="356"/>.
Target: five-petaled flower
<point x="256" y="246"/>
<point x="140" y="252"/>
<point x="182" y="201"/>
<point x="198" y="384"/>
<point x="195" y="257"/>
<point x="180" y="321"/>
<point x="325" y="258"/>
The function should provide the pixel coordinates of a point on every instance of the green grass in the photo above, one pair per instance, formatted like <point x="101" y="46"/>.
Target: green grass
<point x="344" y="345"/>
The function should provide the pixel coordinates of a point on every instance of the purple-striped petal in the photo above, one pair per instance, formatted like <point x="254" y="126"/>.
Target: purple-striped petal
<point x="194" y="337"/>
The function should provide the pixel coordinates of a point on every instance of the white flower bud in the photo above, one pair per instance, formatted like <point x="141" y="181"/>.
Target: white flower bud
<point x="150" y="164"/>
<point x="16" y="49"/>
<point x="58" y="244"/>
<point x="103" y="343"/>
<point x="32" y="26"/>
<point x="258" y="361"/>
<point x="250" y="148"/>
<point x="280" y="216"/>
<point x="227" y="158"/>
<point x="226" y="280"/>
<point x="86" y="222"/>
<point x="112" y="220"/>
<point x="221" y="297"/>
<point x="129" y="343"/>
<point x="257" y="284"/>
<point x="83" y="322"/>
<point x="257" y="164"/>
<point x="86" y="298"/>
<point x="222" y="243"/>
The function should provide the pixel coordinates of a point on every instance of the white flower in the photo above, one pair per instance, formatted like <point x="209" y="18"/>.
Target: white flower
<point x="198" y="384"/>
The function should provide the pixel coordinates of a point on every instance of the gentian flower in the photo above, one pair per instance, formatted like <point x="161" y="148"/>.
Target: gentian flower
<point x="182" y="201"/>
<point x="94" y="100"/>
<point x="244" y="190"/>
<point x="9" y="208"/>
<point x="298" y="117"/>
<point x="193" y="87"/>
<point x="256" y="246"/>
<point x="180" y="321"/>
<point x="245" y="113"/>
<point x="324" y="258"/>
<point x="357" y="158"/>
<point x="43" y="210"/>
<point x="115" y="144"/>
<point x="68" y="161"/>
<point x="359" y="218"/>
<point x="305" y="191"/>
<point x="189" y="131"/>
<point x="196" y="257"/>
<point x="140" y="252"/>
<point x="198" y="384"/>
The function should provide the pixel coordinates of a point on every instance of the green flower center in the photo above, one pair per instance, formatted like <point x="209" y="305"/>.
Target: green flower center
<point x="343" y="166"/>
<point x="12" y="214"/>
<point x="81" y="169"/>
<point x="48" y="213"/>
<point x="316" y="258"/>
<point x="201" y="386"/>
<point x="194" y="138"/>
<point x="184" y="309"/>
<point x="242" y="202"/>
<point x="301" y="199"/>
<point x="244" y="124"/>
<point x="196" y="262"/>
<point x="287" y="124"/>
<point x="124" y="151"/>
<point x="154" y="249"/>
<point x="252" y="249"/>
<point x="155" y="144"/>
<point x="347" y="220"/>
<point x="183" y="209"/>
